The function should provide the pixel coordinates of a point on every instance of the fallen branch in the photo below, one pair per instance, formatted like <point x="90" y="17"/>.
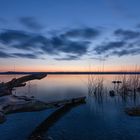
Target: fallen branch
<point x="6" y="88"/>
<point x="14" y="104"/>
<point x="40" y="130"/>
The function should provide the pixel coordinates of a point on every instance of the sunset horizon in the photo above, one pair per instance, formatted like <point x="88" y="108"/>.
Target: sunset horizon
<point x="69" y="69"/>
<point x="45" y="38"/>
<point x="77" y="69"/>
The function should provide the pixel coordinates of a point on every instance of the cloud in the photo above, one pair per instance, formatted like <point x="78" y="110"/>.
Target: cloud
<point x="132" y="51"/>
<point x="5" y="55"/>
<point x="57" y="45"/>
<point x="69" y="57"/>
<point x="74" y="43"/>
<point x="22" y="40"/>
<point x="18" y="55"/>
<point x="128" y="44"/>
<point x="83" y="33"/>
<point x="30" y="23"/>
<point x="127" y="34"/>
<point x="109" y="46"/>
<point x="11" y="36"/>
<point x="28" y="55"/>
<point x="98" y="58"/>
<point x="32" y="42"/>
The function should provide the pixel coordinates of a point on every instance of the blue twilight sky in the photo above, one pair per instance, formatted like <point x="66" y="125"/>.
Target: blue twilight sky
<point x="69" y="35"/>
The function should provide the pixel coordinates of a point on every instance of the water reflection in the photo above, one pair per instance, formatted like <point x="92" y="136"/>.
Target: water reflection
<point x="102" y="87"/>
<point x="103" y="116"/>
<point x="42" y="128"/>
<point x="65" y="86"/>
<point x="125" y="87"/>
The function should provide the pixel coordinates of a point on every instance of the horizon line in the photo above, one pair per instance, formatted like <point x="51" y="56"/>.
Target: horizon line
<point x="73" y="72"/>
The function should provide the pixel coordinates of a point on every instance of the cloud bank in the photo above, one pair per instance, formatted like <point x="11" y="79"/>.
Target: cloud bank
<point x="54" y="45"/>
<point x="74" y="43"/>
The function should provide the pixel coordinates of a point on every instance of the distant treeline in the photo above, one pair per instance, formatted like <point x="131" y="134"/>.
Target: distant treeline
<point x="72" y="73"/>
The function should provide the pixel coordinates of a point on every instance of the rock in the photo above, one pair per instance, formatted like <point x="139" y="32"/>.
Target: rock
<point x="134" y="111"/>
<point x="119" y="82"/>
<point x="112" y="93"/>
<point x="114" y="82"/>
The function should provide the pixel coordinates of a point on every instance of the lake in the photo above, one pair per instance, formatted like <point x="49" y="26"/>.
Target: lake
<point x="102" y="117"/>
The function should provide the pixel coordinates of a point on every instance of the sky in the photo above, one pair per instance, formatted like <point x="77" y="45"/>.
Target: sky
<point x="69" y="35"/>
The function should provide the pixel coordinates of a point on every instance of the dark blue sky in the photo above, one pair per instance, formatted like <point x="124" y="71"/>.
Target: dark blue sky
<point x="69" y="33"/>
<point x="55" y="14"/>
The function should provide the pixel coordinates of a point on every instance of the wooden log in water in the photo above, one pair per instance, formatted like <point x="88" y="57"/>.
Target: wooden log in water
<point x="63" y="102"/>
<point x="42" y="128"/>
<point x="13" y="104"/>
<point x="6" y="88"/>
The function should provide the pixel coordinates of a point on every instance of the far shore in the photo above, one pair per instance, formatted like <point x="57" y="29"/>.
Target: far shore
<point x="71" y="73"/>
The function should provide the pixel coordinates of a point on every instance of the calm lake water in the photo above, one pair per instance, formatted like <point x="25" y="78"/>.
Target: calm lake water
<point x="101" y="118"/>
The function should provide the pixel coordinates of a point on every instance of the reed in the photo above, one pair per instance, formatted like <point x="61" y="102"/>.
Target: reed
<point x="130" y="84"/>
<point x="96" y="87"/>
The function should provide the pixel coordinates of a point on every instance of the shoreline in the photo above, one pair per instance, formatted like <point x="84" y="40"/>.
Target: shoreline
<point x="69" y="73"/>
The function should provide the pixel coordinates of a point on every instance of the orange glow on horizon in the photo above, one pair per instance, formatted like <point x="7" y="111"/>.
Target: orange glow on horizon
<point x="71" y="69"/>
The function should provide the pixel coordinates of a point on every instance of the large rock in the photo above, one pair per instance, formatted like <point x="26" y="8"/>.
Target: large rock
<point x="133" y="111"/>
